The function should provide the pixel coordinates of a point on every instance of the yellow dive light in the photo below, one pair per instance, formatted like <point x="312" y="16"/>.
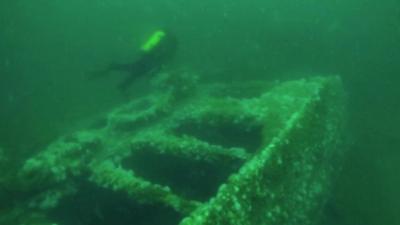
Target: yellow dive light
<point x="153" y="41"/>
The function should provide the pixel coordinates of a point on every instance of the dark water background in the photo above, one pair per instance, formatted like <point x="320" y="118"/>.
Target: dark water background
<point x="47" y="47"/>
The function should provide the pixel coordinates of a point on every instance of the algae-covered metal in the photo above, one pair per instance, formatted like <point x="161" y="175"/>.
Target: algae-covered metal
<point x="257" y="153"/>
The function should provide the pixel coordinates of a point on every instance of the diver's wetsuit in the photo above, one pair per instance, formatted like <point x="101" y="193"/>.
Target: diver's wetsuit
<point x="148" y="62"/>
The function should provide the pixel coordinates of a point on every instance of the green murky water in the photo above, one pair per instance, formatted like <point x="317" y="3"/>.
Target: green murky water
<point x="47" y="49"/>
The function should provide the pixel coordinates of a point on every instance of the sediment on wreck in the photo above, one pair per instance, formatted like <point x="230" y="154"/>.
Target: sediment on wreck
<point x="189" y="153"/>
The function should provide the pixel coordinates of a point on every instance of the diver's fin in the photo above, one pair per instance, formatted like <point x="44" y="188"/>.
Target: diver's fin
<point x="97" y="74"/>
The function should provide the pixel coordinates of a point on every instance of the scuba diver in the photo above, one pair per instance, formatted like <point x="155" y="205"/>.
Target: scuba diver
<point x="154" y="53"/>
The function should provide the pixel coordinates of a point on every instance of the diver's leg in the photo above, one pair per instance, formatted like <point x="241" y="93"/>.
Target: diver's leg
<point x="120" y="67"/>
<point x="112" y="67"/>
<point x="126" y="83"/>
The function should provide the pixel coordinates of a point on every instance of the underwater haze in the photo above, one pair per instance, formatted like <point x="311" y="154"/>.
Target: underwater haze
<point x="48" y="48"/>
